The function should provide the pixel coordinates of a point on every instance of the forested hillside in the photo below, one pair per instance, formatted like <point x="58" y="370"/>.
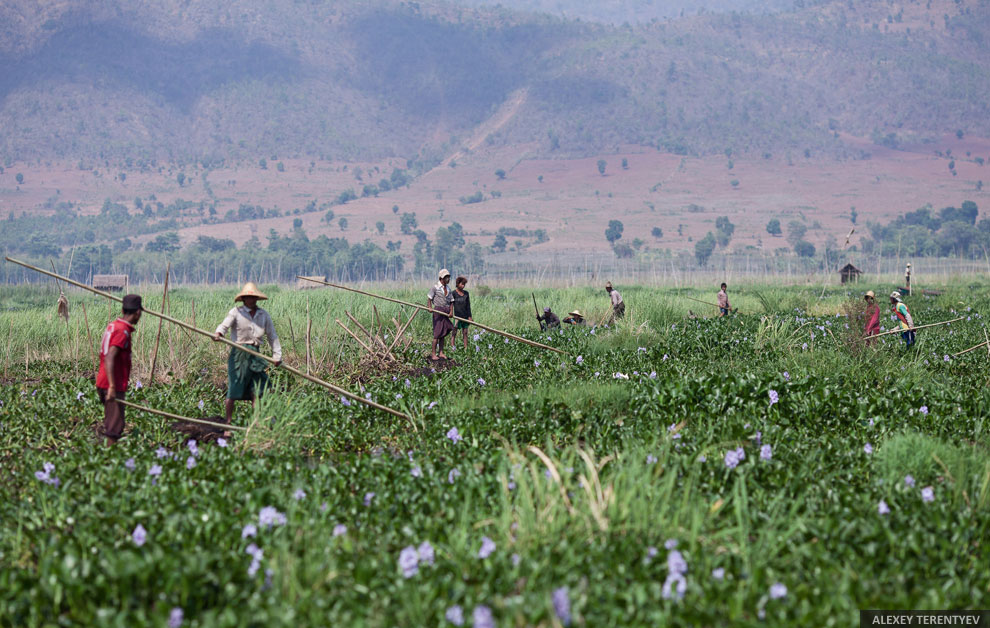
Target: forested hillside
<point x="197" y="79"/>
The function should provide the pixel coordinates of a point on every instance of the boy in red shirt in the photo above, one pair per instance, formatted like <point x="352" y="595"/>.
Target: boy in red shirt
<point x="115" y="367"/>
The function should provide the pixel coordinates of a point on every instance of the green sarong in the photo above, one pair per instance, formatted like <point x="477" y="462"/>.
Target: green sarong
<point x="245" y="375"/>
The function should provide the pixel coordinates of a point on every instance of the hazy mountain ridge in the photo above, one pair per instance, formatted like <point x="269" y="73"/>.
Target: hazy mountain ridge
<point x="366" y="80"/>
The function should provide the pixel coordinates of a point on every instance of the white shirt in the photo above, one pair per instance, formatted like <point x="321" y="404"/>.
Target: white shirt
<point x="616" y="297"/>
<point x="247" y="329"/>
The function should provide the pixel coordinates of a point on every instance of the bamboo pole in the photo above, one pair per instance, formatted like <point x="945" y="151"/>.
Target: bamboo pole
<point x="684" y="296"/>
<point x="428" y="309"/>
<point x="309" y="329"/>
<point x="401" y="331"/>
<point x="158" y="336"/>
<point x="177" y="417"/>
<point x="898" y="331"/>
<point x="354" y="336"/>
<point x="973" y="348"/>
<point x="89" y="337"/>
<point x="187" y="326"/>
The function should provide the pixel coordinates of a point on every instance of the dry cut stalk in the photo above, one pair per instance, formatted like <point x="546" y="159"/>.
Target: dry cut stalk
<point x="158" y="336"/>
<point x="177" y="417"/>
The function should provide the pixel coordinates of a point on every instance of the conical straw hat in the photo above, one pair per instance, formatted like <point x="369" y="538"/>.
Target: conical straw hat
<point x="250" y="290"/>
<point x="576" y="313"/>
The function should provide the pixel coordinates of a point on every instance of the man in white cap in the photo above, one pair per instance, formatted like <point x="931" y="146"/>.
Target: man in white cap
<point x="440" y="300"/>
<point x="618" y="307"/>
<point x="904" y="317"/>
<point x="248" y="324"/>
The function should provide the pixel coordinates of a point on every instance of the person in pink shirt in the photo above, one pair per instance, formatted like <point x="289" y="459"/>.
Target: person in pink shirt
<point x="872" y="318"/>
<point x="115" y="367"/>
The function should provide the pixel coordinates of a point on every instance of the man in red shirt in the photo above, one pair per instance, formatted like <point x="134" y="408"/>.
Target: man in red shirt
<point x="115" y="367"/>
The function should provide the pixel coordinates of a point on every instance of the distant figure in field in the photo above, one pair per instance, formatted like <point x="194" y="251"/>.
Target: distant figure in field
<point x="723" y="301"/>
<point x="441" y="301"/>
<point x="248" y="325"/>
<point x="115" y="367"/>
<point x="872" y="318"/>
<point x="462" y="309"/>
<point x="574" y="318"/>
<point x="549" y="320"/>
<point x="904" y="317"/>
<point x="618" y="307"/>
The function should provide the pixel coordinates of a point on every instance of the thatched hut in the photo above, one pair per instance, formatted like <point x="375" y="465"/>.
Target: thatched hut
<point x="302" y="284"/>
<point x="849" y="273"/>
<point x="110" y="282"/>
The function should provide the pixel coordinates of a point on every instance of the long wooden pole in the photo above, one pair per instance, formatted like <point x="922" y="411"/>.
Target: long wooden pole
<point x="169" y="415"/>
<point x="429" y="309"/>
<point x="705" y="302"/>
<point x="158" y="336"/>
<point x="900" y="331"/>
<point x="973" y="348"/>
<point x="239" y="347"/>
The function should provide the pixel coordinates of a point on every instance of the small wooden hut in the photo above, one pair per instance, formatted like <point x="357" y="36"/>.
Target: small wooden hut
<point x="302" y="284"/>
<point x="110" y="282"/>
<point x="849" y="273"/>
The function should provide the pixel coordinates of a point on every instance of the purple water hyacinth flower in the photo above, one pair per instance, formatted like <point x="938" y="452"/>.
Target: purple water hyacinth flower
<point x="269" y="516"/>
<point x="222" y="442"/>
<point x="200" y="405"/>
<point x="740" y="454"/>
<point x="299" y="494"/>
<point x="774" y="397"/>
<point x="454" y="435"/>
<point x="367" y="396"/>
<point x="787" y="376"/>
<point x="670" y="544"/>
<point x="453" y="475"/>
<point x="324" y="507"/>
<point x="408" y="383"/>
<point x="481" y="382"/>
<point x="138" y="385"/>
<point x="758" y="437"/>
<point x="676" y="563"/>
<point x="674" y="586"/>
<point x="651" y="552"/>
<point x="804" y="347"/>
<point x="487" y="547"/>
<point x="139" y="535"/>
<point x="482" y="617"/>
<point x="46" y="474"/>
<point x="161" y="452"/>
<point x="79" y="396"/>
<point x="731" y="459"/>
<point x="928" y="494"/>
<point x="416" y="472"/>
<point x="249" y="530"/>
<point x="155" y="470"/>
<point x="174" y="617"/>
<point x="432" y="405"/>
<point x="455" y="615"/>
<point x="516" y="559"/>
<point x="777" y="591"/>
<point x="536" y="362"/>
<point x="368" y="497"/>
<point x="398" y="395"/>
<point x="339" y="529"/>
<point x="766" y="453"/>
<point x="882" y="508"/>
<point x="909" y="480"/>
<point x="650" y="459"/>
<point x="653" y="374"/>
<point x="425" y="553"/>
<point x="130" y="465"/>
<point x="579" y="360"/>
<point x="254" y="551"/>
<point x="409" y="561"/>
<point x="947" y="358"/>
<point x="477" y="337"/>
<point x="718" y="573"/>
<point x="190" y="462"/>
<point x="868" y="448"/>
<point x="923" y="410"/>
<point x="562" y="605"/>
<point x="702" y="458"/>
<point x="344" y="400"/>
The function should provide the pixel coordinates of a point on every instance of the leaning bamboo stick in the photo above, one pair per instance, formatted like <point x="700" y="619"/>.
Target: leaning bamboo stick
<point x="401" y="331"/>
<point x="354" y="336"/>
<point x="245" y="349"/>
<point x="973" y="348"/>
<point x="177" y="417"/>
<point x="158" y="336"/>
<point x="899" y="331"/>
<point x="429" y="309"/>
<point x="89" y="338"/>
<point x="706" y="302"/>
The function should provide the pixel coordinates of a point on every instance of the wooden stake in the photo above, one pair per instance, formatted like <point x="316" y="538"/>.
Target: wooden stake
<point x="245" y="349"/>
<point x="89" y="338"/>
<point x="401" y="331"/>
<point x="371" y="337"/>
<point x="309" y="329"/>
<point x="177" y="417"/>
<point x="428" y="309"/>
<point x="898" y="331"/>
<point x="354" y="336"/>
<point x="973" y="348"/>
<point x="158" y="336"/>
<point x="292" y="334"/>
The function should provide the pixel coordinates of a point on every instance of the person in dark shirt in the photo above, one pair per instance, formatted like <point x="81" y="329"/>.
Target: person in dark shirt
<point x="549" y="320"/>
<point x="462" y="309"/>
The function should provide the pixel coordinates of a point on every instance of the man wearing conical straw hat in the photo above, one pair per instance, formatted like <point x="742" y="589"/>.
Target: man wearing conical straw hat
<point x="574" y="318"/>
<point x="248" y="325"/>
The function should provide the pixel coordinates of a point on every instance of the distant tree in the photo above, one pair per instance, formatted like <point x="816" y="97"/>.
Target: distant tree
<point x="345" y="196"/>
<point x="734" y="183"/>
<point x="500" y="174"/>
<point x="380" y="226"/>
<point x="164" y="243"/>
<point x="181" y="178"/>
<point x="263" y="163"/>
<point x="637" y="243"/>
<point x="773" y="227"/>
<point x="601" y="166"/>
<point x="614" y="231"/>
<point x="500" y="243"/>
<point x="952" y="165"/>
<point x="477" y="197"/>
<point x="795" y="231"/>
<point x="408" y="224"/>
<point x="853" y="215"/>
<point x="297" y="223"/>
<point x="959" y="133"/>
<point x="657" y="232"/>
<point x="622" y="250"/>
<point x="625" y="164"/>
<point x="804" y="248"/>
<point x="122" y="176"/>
<point x="540" y="178"/>
<point x="395" y="209"/>
<point x="342" y="223"/>
<point x="280" y="167"/>
<point x="704" y="248"/>
<point x="328" y="217"/>
<point x="19" y="177"/>
<point x="723" y="231"/>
